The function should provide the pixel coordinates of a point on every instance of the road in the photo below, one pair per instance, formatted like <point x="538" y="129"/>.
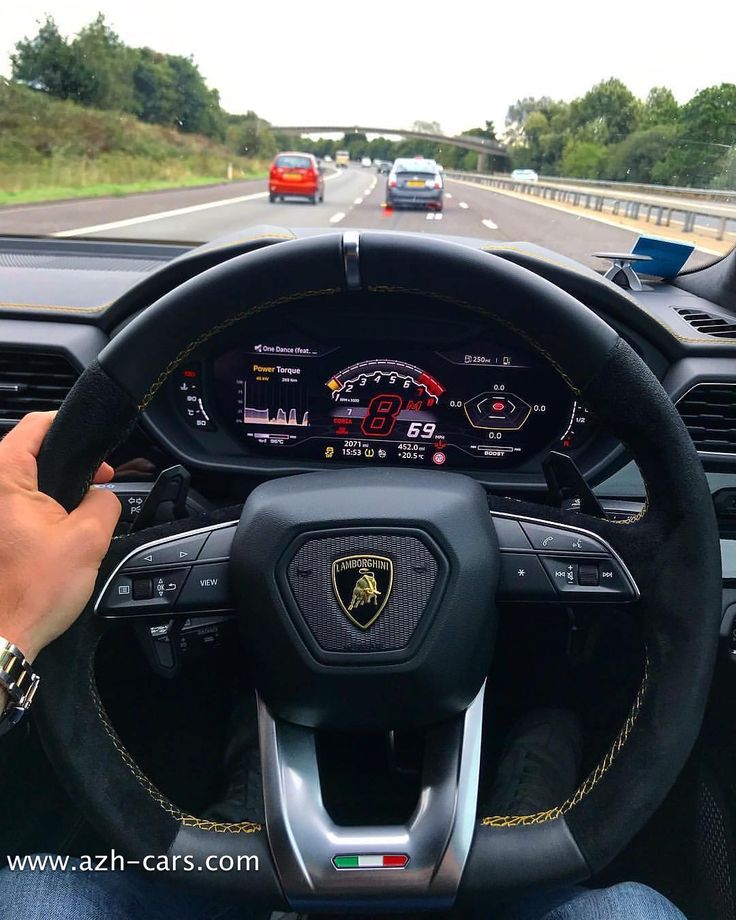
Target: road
<point x="353" y="198"/>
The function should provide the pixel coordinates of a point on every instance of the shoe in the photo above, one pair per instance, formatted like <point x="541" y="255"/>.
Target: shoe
<point x="539" y="765"/>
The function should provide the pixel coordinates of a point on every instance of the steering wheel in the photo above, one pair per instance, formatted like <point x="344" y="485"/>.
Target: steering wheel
<point x="427" y="539"/>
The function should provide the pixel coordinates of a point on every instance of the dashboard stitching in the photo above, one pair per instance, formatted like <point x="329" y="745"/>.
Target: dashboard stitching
<point x="220" y="327"/>
<point x="186" y="820"/>
<point x="699" y="340"/>
<point x="593" y="778"/>
<point x="48" y="306"/>
<point x="265" y="237"/>
<point x="484" y="311"/>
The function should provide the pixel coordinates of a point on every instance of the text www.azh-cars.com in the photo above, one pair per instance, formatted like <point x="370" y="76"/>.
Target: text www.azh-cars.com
<point x="116" y="862"/>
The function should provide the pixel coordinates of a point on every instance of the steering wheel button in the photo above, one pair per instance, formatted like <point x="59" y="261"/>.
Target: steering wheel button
<point x="130" y="596"/>
<point x="142" y="589"/>
<point x="557" y="540"/>
<point x="171" y="553"/>
<point x="600" y="580"/>
<point x="522" y="578"/>
<point x="509" y="533"/>
<point x="207" y="588"/>
<point x="218" y="544"/>
<point x="589" y="574"/>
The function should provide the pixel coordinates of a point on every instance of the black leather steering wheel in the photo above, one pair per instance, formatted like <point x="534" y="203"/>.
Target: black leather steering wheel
<point x="671" y="551"/>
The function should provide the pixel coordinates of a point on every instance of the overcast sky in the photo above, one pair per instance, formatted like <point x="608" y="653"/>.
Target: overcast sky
<point x="344" y="62"/>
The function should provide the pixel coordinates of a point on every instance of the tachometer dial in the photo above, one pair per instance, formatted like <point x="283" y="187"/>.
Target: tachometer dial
<point x="384" y="397"/>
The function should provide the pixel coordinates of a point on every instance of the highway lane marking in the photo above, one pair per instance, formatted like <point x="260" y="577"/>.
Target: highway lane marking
<point x="358" y="201"/>
<point x="336" y="218"/>
<point x="573" y="214"/>
<point x="448" y="194"/>
<point x="163" y="215"/>
<point x="463" y="204"/>
<point x="434" y="215"/>
<point x="489" y="223"/>
<point x="159" y="215"/>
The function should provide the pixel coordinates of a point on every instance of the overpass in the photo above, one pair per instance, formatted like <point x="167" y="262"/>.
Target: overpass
<point x="480" y="145"/>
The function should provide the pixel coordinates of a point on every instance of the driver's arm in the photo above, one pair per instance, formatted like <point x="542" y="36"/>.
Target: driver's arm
<point x="48" y="558"/>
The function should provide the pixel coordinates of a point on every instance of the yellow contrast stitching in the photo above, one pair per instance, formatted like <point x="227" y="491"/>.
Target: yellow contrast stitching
<point x="186" y="820"/>
<point x="634" y="303"/>
<point x="590" y="782"/>
<point x="222" y="247"/>
<point x="220" y="327"/>
<point x="484" y="311"/>
<point x="48" y="306"/>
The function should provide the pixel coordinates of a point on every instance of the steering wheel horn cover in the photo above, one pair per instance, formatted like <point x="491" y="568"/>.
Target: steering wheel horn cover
<point x="671" y="549"/>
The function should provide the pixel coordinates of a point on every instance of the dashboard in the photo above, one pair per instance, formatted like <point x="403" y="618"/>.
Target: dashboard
<point x="357" y="378"/>
<point x="405" y="383"/>
<point x="477" y="404"/>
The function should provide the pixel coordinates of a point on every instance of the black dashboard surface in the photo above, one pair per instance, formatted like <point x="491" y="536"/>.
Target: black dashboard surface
<point x="361" y="383"/>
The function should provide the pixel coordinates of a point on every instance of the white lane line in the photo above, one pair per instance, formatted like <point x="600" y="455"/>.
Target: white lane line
<point x="336" y="218"/>
<point x="448" y="194"/>
<point x="489" y="224"/>
<point x="358" y="201"/>
<point x="556" y="207"/>
<point x="160" y="215"/>
<point x="462" y="204"/>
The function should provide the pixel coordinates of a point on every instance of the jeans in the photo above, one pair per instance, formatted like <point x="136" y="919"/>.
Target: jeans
<point x="626" y="901"/>
<point x="130" y="895"/>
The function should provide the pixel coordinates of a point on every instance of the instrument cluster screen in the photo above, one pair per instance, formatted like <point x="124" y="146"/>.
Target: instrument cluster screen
<point x="464" y="406"/>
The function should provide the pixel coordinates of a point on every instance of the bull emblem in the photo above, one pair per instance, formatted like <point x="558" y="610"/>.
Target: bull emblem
<point x="365" y="590"/>
<point x="362" y="585"/>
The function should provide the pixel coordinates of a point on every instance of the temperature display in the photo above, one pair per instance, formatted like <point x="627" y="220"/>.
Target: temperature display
<point x="461" y="408"/>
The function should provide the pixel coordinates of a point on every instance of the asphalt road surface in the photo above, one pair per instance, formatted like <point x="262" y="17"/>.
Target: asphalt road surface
<point x="353" y="198"/>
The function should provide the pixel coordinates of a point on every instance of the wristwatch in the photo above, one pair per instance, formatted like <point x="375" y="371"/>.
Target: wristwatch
<point x="19" y="681"/>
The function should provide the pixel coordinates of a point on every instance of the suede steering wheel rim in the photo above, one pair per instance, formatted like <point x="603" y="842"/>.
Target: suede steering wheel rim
<point x="672" y="550"/>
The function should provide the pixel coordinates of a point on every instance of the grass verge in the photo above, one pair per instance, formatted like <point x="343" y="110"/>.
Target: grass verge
<point x="117" y="189"/>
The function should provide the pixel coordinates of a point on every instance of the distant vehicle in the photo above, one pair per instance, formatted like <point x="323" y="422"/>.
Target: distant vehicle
<point x="525" y="175"/>
<point x="342" y="159"/>
<point x="327" y="158"/>
<point x="383" y="167"/>
<point x="366" y="162"/>
<point x="298" y="174"/>
<point x="415" y="183"/>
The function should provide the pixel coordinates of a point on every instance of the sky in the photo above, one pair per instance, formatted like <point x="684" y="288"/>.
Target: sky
<point x="316" y="62"/>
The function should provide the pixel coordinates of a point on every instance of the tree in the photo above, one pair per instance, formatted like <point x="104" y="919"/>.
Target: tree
<point x="251" y="136"/>
<point x="635" y="158"/>
<point x="705" y="140"/>
<point x="660" y="108"/>
<point x="609" y="110"/>
<point x="105" y="67"/>
<point x="488" y="132"/>
<point x="583" y="159"/>
<point x="46" y="62"/>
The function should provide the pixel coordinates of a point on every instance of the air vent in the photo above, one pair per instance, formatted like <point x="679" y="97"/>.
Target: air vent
<point x="32" y="381"/>
<point x="708" y="323"/>
<point x="709" y="413"/>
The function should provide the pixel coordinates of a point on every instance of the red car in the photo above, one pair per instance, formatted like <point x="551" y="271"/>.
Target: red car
<point x="296" y="174"/>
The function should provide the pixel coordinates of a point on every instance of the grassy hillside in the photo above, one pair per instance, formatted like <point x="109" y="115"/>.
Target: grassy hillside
<point x="51" y="149"/>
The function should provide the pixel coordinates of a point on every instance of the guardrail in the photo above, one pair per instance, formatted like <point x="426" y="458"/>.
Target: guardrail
<point x="678" y="191"/>
<point x="607" y="198"/>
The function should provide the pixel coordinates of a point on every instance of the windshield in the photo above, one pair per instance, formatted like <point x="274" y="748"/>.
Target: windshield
<point x="120" y="120"/>
<point x="290" y="161"/>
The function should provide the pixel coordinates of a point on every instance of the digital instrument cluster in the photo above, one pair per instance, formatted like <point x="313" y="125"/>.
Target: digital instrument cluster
<point x="488" y="404"/>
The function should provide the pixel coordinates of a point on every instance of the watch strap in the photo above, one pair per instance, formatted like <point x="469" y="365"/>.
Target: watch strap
<point x="19" y="681"/>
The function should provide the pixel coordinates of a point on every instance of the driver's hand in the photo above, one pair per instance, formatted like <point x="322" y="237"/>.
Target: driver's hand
<point x="48" y="558"/>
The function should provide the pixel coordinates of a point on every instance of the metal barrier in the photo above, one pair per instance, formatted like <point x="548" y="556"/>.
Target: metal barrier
<point x="678" y="191"/>
<point x="597" y="198"/>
